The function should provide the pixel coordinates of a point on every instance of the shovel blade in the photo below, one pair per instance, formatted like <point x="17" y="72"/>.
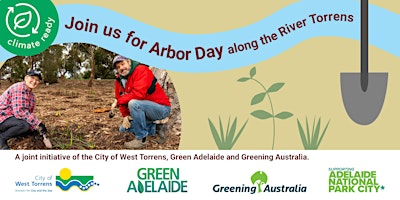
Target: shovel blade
<point x="363" y="107"/>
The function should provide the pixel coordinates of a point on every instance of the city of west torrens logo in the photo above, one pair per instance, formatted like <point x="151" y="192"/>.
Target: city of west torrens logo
<point x="28" y="27"/>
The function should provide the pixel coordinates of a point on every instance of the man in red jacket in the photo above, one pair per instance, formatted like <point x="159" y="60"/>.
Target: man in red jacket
<point x="141" y="100"/>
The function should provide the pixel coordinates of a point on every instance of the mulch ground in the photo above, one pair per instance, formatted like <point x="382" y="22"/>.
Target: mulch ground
<point x="68" y="110"/>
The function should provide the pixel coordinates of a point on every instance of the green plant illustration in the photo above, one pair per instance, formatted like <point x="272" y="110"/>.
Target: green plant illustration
<point x="258" y="98"/>
<point x="225" y="140"/>
<point x="260" y="178"/>
<point x="312" y="142"/>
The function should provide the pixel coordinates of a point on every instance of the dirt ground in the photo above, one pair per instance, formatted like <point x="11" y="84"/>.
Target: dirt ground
<point x="67" y="109"/>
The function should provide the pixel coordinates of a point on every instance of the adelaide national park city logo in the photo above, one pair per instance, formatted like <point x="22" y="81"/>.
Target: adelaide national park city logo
<point x="259" y="179"/>
<point x="350" y="181"/>
<point x="27" y="27"/>
<point x="65" y="181"/>
<point x="156" y="180"/>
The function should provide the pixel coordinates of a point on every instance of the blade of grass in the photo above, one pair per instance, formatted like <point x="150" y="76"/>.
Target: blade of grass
<point x="215" y="134"/>
<point x="323" y="133"/>
<point x="316" y="134"/>
<point x="71" y="137"/>
<point x="312" y="132"/>
<point x="308" y="132"/>
<point x="239" y="133"/>
<point x="228" y="128"/>
<point x="221" y="130"/>
<point x="302" y="135"/>
<point x="231" y="133"/>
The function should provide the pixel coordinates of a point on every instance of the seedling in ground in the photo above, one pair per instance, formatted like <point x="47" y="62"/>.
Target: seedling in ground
<point x="258" y="98"/>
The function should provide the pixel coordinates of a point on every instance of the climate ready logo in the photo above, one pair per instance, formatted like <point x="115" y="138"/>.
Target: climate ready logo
<point x="65" y="181"/>
<point x="155" y="180"/>
<point x="350" y="180"/>
<point x="259" y="180"/>
<point x="27" y="27"/>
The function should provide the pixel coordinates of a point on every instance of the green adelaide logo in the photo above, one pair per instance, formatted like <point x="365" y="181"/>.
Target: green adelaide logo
<point x="27" y="27"/>
<point x="156" y="180"/>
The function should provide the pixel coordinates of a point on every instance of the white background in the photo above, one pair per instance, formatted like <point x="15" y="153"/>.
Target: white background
<point x="201" y="175"/>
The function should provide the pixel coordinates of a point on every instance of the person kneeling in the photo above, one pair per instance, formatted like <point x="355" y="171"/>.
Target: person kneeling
<point x="17" y="104"/>
<point x="141" y="100"/>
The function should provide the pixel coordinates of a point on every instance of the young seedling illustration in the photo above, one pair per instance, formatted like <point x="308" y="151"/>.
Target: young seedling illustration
<point x="225" y="140"/>
<point x="258" y="98"/>
<point x="312" y="142"/>
<point x="260" y="178"/>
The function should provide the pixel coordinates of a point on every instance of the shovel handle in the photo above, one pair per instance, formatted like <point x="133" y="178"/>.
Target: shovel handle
<point x="364" y="45"/>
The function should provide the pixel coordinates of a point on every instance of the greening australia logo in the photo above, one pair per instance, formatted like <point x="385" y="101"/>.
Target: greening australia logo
<point x="259" y="180"/>
<point x="28" y="27"/>
<point x="156" y="180"/>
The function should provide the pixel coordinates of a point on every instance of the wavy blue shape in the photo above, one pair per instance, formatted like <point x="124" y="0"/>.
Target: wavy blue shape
<point x="383" y="34"/>
<point x="77" y="183"/>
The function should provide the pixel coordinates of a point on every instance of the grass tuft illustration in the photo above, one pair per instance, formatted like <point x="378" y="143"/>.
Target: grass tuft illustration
<point x="311" y="139"/>
<point x="227" y="138"/>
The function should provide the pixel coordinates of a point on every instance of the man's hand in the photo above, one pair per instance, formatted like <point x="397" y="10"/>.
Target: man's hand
<point x="126" y="122"/>
<point x="114" y="104"/>
<point x="42" y="129"/>
<point x="113" y="108"/>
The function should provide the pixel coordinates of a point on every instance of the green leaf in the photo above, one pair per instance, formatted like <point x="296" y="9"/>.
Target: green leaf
<point x="253" y="72"/>
<point x="261" y="114"/>
<point x="227" y="131"/>
<point x="284" y="115"/>
<point x="215" y="134"/>
<point x="243" y="79"/>
<point x="258" y="98"/>
<point x="302" y="135"/>
<point x="315" y="134"/>
<point x="275" y="87"/>
<point x="239" y="133"/>
<point x="140" y="187"/>
<point x="322" y="136"/>
<point x="221" y="131"/>
<point x="230" y="135"/>
<point x="22" y="20"/>
<point x="308" y="132"/>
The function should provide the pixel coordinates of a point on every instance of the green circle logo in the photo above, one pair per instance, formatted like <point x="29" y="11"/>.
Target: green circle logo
<point x="27" y="27"/>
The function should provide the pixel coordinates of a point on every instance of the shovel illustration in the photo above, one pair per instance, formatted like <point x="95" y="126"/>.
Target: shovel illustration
<point x="363" y="93"/>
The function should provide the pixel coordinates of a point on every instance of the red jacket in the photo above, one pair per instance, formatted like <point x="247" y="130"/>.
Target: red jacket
<point x="136" y="87"/>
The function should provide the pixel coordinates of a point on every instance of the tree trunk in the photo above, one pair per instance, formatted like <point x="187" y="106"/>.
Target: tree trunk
<point x="161" y="75"/>
<point x="11" y="78"/>
<point x="31" y="62"/>
<point x="90" y="83"/>
<point x="174" y="120"/>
